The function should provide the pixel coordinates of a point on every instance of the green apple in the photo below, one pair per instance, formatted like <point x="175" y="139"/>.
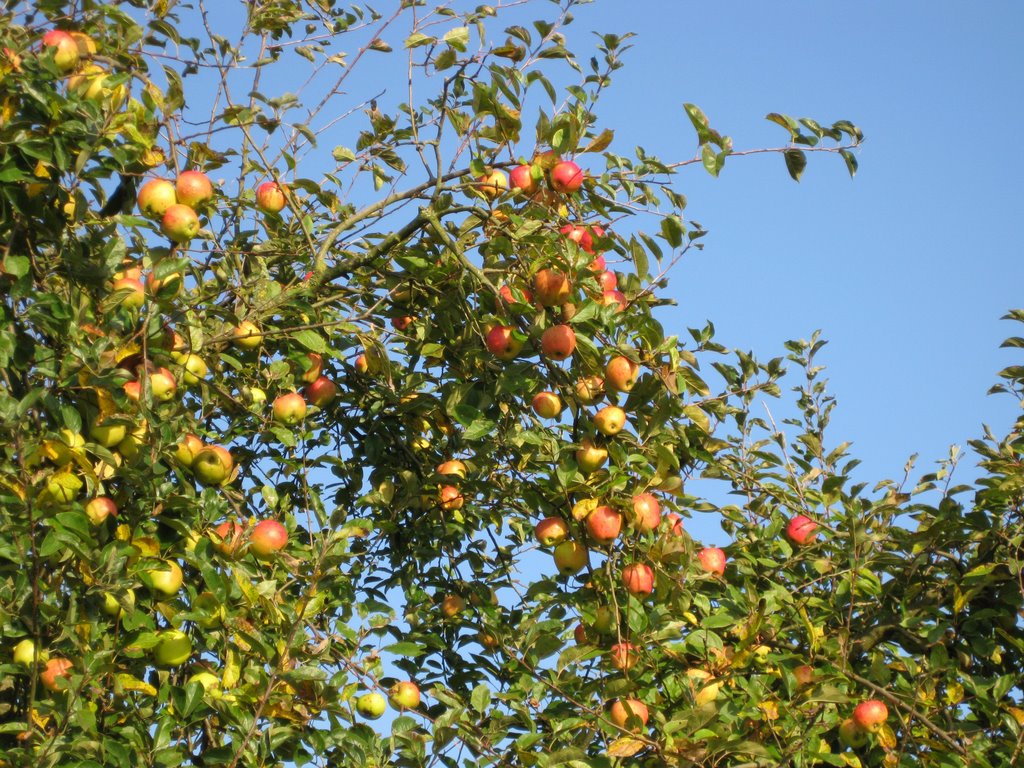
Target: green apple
<point x="172" y="649"/>
<point x="213" y="465"/>
<point x="165" y="580"/>
<point x="371" y="705"/>
<point x="25" y="653"/>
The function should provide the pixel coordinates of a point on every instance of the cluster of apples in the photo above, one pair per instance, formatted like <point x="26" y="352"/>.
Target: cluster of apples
<point x="174" y="204"/>
<point x="868" y="718"/>
<point x="403" y="695"/>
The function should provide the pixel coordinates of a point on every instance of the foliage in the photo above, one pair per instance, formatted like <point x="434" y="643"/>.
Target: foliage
<point x="394" y="568"/>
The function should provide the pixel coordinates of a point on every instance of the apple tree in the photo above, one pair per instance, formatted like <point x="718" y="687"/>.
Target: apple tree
<point x="333" y="385"/>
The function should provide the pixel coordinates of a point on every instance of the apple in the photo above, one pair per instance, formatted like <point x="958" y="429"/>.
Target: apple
<point x="210" y="682"/>
<point x="210" y="609"/>
<point x="108" y="434"/>
<point x="604" y="525"/>
<point x="629" y="714"/>
<point x="638" y="579"/>
<point x="870" y="714"/>
<point x="493" y="184"/>
<point x="86" y="45"/>
<point x="801" y="530"/>
<point x="62" y="487"/>
<point x="571" y="557"/>
<point x="366" y="365"/>
<point x="578" y="235"/>
<point x="193" y="188"/>
<point x="607" y="280"/>
<point x="321" y="392"/>
<point x="617" y="298"/>
<point x="185" y="451"/>
<point x="401" y="323"/>
<point x="131" y="292"/>
<point x="114" y="607"/>
<point x="605" y="620"/>
<point x="289" y="409"/>
<point x="25" y="653"/>
<point x="228" y="538"/>
<point x="675" y="523"/>
<point x="452" y="467"/>
<point x="213" y="465"/>
<point x="610" y="420"/>
<point x="172" y="649"/>
<point x="162" y="385"/>
<point x="621" y="374"/>
<point x="165" y="579"/>
<point x="646" y="512"/>
<point x="558" y="342"/>
<point x="452" y="606"/>
<point x="804" y="675"/>
<point x="547" y="405"/>
<point x="267" y="538"/>
<point x="65" y="49"/>
<point x="566" y="177"/>
<point x="521" y="178"/>
<point x="703" y="686"/>
<point x="247" y="335"/>
<point x="179" y="223"/>
<point x="195" y="368"/>
<point x="371" y="705"/>
<point x="624" y="655"/>
<point x="155" y="197"/>
<point x="852" y="735"/>
<point x="404" y="695"/>
<point x="506" y="293"/>
<point x="579" y="634"/>
<point x="57" y="671"/>
<point x="590" y="457"/>
<point x="270" y="197"/>
<point x="598" y="265"/>
<point x="99" y="509"/>
<point x="450" y="498"/>
<point x="502" y="342"/>
<point x="89" y="82"/>
<point x="551" y="531"/>
<point x="589" y="389"/>
<point x="712" y="560"/>
<point x="551" y="288"/>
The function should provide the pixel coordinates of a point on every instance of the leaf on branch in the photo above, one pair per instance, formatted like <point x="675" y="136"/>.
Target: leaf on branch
<point x="379" y="45"/>
<point x="796" y="161"/>
<point x="786" y="122"/>
<point x="851" y="161"/>
<point x="458" y="38"/>
<point x="626" y="746"/>
<point x="601" y="142"/>
<point x="417" y="39"/>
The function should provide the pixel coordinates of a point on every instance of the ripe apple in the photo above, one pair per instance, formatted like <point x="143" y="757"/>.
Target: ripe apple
<point x="371" y="705"/>
<point x="870" y="714"/>
<point x="566" y="177"/>
<point x="852" y="735"/>
<point x="616" y="298"/>
<point x="131" y="293"/>
<point x="270" y="197"/>
<point x="624" y="655"/>
<point x="213" y="465"/>
<point x="404" y="695"/>
<point x="551" y="288"/>
<point x="578" y="235"/>
<point x="551" y="531"/>
<point x="604" y="525"/>
<point x="289" y="409"/>
<point x="579" y="634"/>
<point x="629" y="714"/>
<point x="621" y="374"/>
<point x="493" y="184"/>
<point x="321" y="392"/>
<point x="314" y="363"/>
<point x="712" y="560"/>
<point x="801" y="530"/>
<point x="133" y="390"/>
<point x="502" y="342"/>
<point x="57" y="671"/>
<point x="607" y="280"/>
<point x="155" y="197"/>
<point x="89" y="82"/>
<point x="804" y="675"/>
<point x="522" y="180"/>
<point x="228" y="538"/>
<point x="646" y="512"/>
<point x="185" y="451"/>
<point x="165" y="579"/>
<point x="25" y="653"/>
<point x="195" y="368"/>
<point x="247" y="335"/>
<point x="703" y="686"/>
<point x="450" y="498"/>
<point x="86" y="45"/>
<point x="610" y="420"/>
<point x="162" y="385"/>
<point x="558" y="342"/>
<point x="452" y="606"/>
<point x="571" y="557"/>
<point x="452" y="467"/>
<point x="267" y="538"/>
<point x="65" y="49"/>
<point x="193" y="188"/>
<point x="590" y="457"/>
<point x="638" y="579"/>
<point x="589" y="389"/>
<point x="108" y="434"/>
<point x="179" y="223"/>
<point x="675" y="523"/>
<point x="99" y="509"/>
<point x="114" y="607"/>
<point x="598" y="265"/>
<point x="401" y="323"/>
<point x="172" y="649"/>
<point x="506" y="293"/>
<point x="547" y="405"/>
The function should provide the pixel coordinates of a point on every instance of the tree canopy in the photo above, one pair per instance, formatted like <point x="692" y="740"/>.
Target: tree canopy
<point x="317" y="405"/>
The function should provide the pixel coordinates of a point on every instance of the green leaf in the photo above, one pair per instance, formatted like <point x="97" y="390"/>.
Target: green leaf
<point x="405" y="648"/>
<point x="796" y="161"/>
<point x="851" y="161"/>
<point x="480" y="699"/>
<point x="458" y="38"/>
<point x="311" y="340"/>
<point x="417" y="39"/>
<point x="672" y="230"/>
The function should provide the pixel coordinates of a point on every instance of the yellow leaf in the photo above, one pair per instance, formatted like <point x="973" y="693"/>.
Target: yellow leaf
<point x="626" y="746"/>
<point x="129" y="683"/>
<point x="886" y="738"/>
<point x="584" y="507"/>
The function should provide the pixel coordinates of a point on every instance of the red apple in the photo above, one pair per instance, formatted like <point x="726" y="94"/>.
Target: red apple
<point x="614" y="298"/>
<point x="621" y="374"/>
<point x="551" y="288"/>
<point x="404" y="695"/>
<point x="506" y="294"/>
<point x="213" y="465"/>
<point x="566" y="177"/>
<point x="229" y="538"/>
<point x="314" y="367"/>
<point x="610" y="420"/>
<point x="551" y="531"/>
<point x="578" y="235"/>
<point x="712" y="560"/>
<point x="590" y="457"/>
<point x="604" y="525"/>
<point x="628" y="714"/>
<point x="589" y="389"/>
<point x="155" y="197"/>
<point x="675" y="523"/>
<point x="558" y="342"/>
<point x="179" y="223"/>
<point x="99" y="509"/>
<point x="638" y="579"/>
<point x="869" y="715"/>
<point x="65" y="50"/>
<point x="289" y="409"/>
<point x="522" y="180"/>
<point x="493" y="184"/>
<point x="801" y="530"/>
<point x="401" y="323"/>
<point x="321" y="392"/>
<point x="804" y="675"/>
<point x="57" y="671"/>
<point x="267" y="538"/>
<point x="502" y="342"/>
<point x="547" y="405"/>
<point x="186" y="451"/>
<point x="270" y="197"/>
<point x="451" y="498"/>
<point x="624" y="655"/>
<point x="452" y="467"/>
<point x="646" y="512"/>
<point x="132" y="292"/>
<point x="571" y="557"/>
<point x="607" y="280"/>
<point x="193" y="188"/>
<point x="579" y="634"/>
<point x="598" y="265"/>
